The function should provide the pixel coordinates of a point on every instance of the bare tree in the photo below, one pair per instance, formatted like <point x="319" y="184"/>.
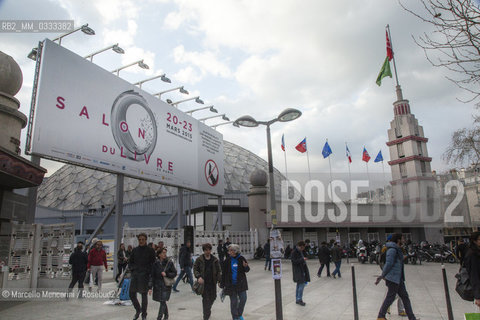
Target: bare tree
<point x="455" y="42"/>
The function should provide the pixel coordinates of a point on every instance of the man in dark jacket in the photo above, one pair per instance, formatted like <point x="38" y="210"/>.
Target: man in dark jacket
<point x="394" y="275"/>
<point x="208" y="272"/>
<point x="266" y="252"/>
<point x="140" y="264"/>
<point x="220" y="251"/>
<point x="461" y="251"/>
<point x="324" y="258"/>
<point x="185" y="261"/>
<point x="234" y="280"/>
<point x="78" y="260"/>
<point x="301" y="275"/>
<point x="337" y="259"/>
<point x="472" y="263"/>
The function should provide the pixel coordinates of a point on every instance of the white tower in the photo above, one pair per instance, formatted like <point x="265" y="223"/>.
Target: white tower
<point x="412" y="180"/>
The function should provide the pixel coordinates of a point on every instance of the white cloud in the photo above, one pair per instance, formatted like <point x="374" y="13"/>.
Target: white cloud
<point x="187" y="75"/>
<point x="206" y="62"/>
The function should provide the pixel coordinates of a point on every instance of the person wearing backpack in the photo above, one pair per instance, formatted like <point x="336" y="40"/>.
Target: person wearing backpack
<point x="472" y="263"/>
<point x="394" y="275"/>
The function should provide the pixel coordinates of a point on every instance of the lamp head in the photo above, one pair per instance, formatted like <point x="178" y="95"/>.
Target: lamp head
<point x="198" y="100"/>
<point x="224" y="117"/>
<point x="289" y="114"/>
<point x="246" y="121"/>
<point x="169" y="101"/>
<point x="33" y="54"/>
<point x="165" y="79"/>
<point x="182" y="90"/>
<point x="117" y="49"/>
<point x="236" y="125"/>
<point x="87" y="30"/>
<point x="143" y="65"/>
<point x="212" y="109"/>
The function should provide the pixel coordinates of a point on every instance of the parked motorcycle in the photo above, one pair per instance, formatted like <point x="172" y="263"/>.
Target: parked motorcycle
<point x="362" y="254"/>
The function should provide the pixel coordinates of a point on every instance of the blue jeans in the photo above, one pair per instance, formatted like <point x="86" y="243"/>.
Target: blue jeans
<point x="268" y="263"/>
<point x="337" y="268"/>
<point x="188" y="272"/>
<point x="299" y="291"/>
<point x="393" y="290"/>
<point x="237" y="304"/>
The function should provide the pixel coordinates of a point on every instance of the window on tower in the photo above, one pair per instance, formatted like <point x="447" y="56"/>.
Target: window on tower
<point x="403" y="170"/>
<point x="400" y="151"/>
<point x="419" y="148"/>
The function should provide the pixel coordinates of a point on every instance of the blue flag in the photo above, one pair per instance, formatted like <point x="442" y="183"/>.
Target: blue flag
<point x="379" y="157"/>
<point x="326" y="150"/>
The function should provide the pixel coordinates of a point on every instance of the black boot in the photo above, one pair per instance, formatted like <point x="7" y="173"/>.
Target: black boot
<point x="137" y="314"/>
<point x="166" y="312"/>
<point x="161" y="311"/>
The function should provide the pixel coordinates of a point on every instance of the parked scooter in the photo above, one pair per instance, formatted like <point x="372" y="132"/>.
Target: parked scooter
<point x="362" y="253"/>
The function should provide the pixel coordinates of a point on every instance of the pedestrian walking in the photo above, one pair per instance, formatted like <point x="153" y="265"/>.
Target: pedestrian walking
<point x="472" y="263"/>
<point x="324" y="258"/>
<point x="337" y="260"/>
<point x="208" y="272"/>
<point x="140" y="264"/>
<point x="162" y="268"/>
<point x="220" y="251"/>
<point x="225" y="247"/>
<point x="234" y="281"/>
<point x="79" y="261"/>
<point x="461" y="251"/>
<point x="97" y="259"/>
<point x="122" y="260"/>
<point x="301" y="275"/>
<point x="185" y="261"/>
<point x="394" y="275"/>
<point x="268" y="260"/>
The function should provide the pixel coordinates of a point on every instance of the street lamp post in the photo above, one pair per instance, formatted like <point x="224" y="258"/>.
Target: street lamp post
<point x="181" y="89"/>
<point x="214" y="126"/>
<point x="140" y="63"/>
<point x="197" y="100"/>
<point x="211" y="108"/>
<point x="288" y="114"/>
<point x="223" y="115"/>
<point x="114" y="47"/>
<point x="162" y="77"/>
<point x="85" y="29"/>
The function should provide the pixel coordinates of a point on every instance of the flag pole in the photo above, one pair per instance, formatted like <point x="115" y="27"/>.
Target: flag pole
<point x="331" y="195"/>
<point x="285" y="156"/>
<point x="308" y="163"/>
<point x="348" y="162"/>
<point x="391" y="45"/>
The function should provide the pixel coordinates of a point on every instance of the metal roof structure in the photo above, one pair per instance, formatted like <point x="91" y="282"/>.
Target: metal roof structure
<point x="77" y="188"/>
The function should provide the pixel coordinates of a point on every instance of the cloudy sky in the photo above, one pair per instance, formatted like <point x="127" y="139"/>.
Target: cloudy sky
<point x="259" y="57"/>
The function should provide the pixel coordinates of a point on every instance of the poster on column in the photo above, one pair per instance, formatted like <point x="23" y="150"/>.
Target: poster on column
<point x="87" y="116"/>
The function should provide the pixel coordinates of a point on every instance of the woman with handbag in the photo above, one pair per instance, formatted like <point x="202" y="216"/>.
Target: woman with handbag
<point x="208" y="272"/>
<point x="161" y="281"/>
<point x="234" y="280"/>
<point x="472" y="264"/>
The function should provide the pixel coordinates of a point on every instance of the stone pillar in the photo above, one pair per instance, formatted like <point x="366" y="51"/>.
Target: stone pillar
<point x="12" y="120"/>
<point x="258" y="204"/>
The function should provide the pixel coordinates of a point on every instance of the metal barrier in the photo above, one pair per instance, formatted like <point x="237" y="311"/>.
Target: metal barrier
<point x="172" y="239"/>
<point x="39" y="256"/>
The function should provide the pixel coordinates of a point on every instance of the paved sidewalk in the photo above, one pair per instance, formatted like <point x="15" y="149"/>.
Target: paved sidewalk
<point x="326" y="298"/>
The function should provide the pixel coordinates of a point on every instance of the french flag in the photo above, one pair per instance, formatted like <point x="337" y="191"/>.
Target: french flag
<point x="283" y="143"/>
<point x="348" y="154"/>
<point x="302" y="146"/>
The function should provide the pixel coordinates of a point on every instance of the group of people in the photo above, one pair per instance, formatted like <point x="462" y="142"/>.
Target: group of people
<point x="152" y="272"/>
<point x="92" y="262"/>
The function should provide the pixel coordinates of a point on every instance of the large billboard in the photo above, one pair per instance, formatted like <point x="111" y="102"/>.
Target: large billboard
<point x="87" y="116"/>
